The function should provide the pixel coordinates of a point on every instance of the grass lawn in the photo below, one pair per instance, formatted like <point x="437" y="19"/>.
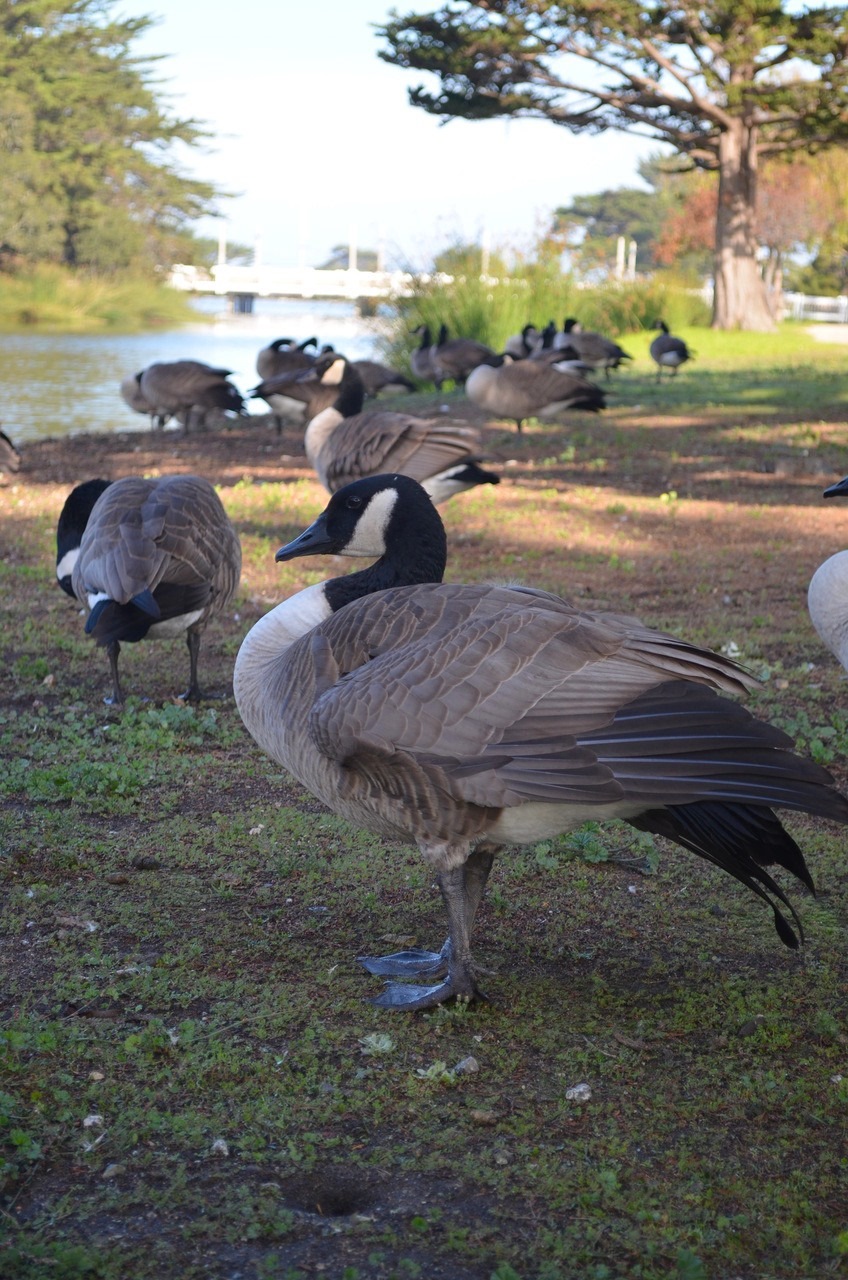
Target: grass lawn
<point x="192" y="1081"/>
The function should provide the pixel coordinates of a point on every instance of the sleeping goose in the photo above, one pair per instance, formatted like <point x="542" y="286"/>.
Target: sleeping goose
<point x="530" y="389"/>
<point x="150" y="558"/>
<point x="668" y="352"/>
<point x="827" y="595"/>
<point x="344" y="443"/>
<point x="453" y="359"/>
<point x="189" y="389"/>
<point x="464" y="719"/>
<point x="593" y="348"/>
<point x="284" y="355"/>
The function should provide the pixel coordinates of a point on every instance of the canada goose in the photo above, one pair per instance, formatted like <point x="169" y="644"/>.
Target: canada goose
<point x="133" y="396"/>
<point x="420" y="361"/>
<point x="827" y="594"/>
<point x="343" y="443"/>
<point x="189" y="389"/>
<point x="378" y="377"/>
<point x="523" y="344"/>
<point x="530" y="389"/>
<point x="594" y="348"/>
<point x="464" y="719"/>
<point x="150" y="558"/>
<point x="284" y="355"/>
<point x="453" y="359"/>
<point x="10" y="459"/>
<point x="668" y="352"/>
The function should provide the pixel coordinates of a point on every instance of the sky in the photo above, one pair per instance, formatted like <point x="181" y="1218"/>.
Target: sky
<point x="316" y="136"/>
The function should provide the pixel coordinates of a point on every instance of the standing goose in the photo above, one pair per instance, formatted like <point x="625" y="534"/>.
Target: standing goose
<point x="827" y="594"/>
<point x="453" y="359"/>
<point x="343" y="443"/>
<point x="420" y="362"/>
<point x="189" y="389"/>
<point x="593" y="348"/>
<point x="10" y="459"/>
<point x="464" y="719"/>
<point x="133" y="396"/>
<point x="523" y="344"/>
<point x="150" y="558"/>
<point x="531" y="389"/>
<point x="668" y="352"/>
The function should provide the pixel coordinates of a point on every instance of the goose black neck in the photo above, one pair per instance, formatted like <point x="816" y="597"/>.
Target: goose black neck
<point x="416" y="552"/>
<point x="351" y="394"/>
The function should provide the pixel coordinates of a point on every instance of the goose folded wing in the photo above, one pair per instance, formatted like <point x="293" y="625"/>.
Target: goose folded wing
<point x="495" y="689"/>
<point x="419" y="447"/>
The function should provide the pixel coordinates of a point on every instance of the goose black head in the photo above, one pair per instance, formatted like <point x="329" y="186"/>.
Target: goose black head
<point x="389" y="517"/>
<point x="73" y="519"/>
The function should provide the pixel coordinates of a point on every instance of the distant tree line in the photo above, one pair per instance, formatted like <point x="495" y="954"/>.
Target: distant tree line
<point x="86" y="138"/>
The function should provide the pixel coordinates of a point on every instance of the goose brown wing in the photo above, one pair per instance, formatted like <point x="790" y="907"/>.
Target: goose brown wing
<point x="494" y="688"/>
<point x="371" y="443"/>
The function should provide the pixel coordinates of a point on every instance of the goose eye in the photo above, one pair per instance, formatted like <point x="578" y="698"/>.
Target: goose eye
<point x="353" y="502"/>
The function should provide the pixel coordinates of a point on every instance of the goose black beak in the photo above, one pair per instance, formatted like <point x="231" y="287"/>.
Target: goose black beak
<point x="838" y="490"/>
<point x="314" y="541"/>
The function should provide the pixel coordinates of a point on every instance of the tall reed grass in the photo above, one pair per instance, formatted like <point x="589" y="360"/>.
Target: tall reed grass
<point x="492" y="310"/>
<point x="51" y="299"/>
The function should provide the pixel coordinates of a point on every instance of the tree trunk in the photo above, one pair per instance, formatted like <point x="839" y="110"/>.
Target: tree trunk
<point x="740" y="300"/>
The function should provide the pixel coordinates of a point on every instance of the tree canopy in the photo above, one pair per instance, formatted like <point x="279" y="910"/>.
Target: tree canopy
<point x="85" y="142"/>
<point x="724" y="83"/>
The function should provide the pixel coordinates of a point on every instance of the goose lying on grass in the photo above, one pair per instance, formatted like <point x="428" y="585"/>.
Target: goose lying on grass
<point x="150" y="558"/>
<point x="465" y="719"/>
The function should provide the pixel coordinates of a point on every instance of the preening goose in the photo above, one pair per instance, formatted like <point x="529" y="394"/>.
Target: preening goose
<point x="10" y="459"/>
<point x="464" y="719"/>
<point x="284" y="355"/>
<point x="189" y="389"/>
<point x="668" y="352"/>
<point x="530" y="389"/>
<point x="523" y="344"/>
<point x="344" y="443"/>
<point x="593" y="348"/>
<point x="453" y="359"/>
<point x="827" y="594"/>
<point x="150" y="558"/>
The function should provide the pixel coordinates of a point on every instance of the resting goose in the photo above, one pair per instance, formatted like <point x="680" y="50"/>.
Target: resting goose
<point x="464" y="719"/>
<point x="453" y="359"/>
<point x="150" y="558"/>
<point x="378" y="377"/>
<point x="344" y="443"/>
<point x="827" y="594"/>
<point x="668" y="352"/>
<point x="531" y="389"/>
<point x="189" y="389"/>
<point x="284" y="355"/>
<point x="593" y="348"/>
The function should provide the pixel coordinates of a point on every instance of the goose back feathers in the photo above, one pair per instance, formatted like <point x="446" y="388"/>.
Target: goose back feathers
<point x="190" y="390"/>
<point x="593" y="348"/>
<point x="467" y="718"/>
<point x="149" y="558"/>
<point x="529" y="389"/>
<point x="345" y="443"/>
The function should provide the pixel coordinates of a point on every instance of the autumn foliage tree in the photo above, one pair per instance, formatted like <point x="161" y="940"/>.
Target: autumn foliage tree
<point x="726" y="83"/>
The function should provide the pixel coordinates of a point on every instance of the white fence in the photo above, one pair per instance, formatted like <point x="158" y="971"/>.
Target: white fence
<point x="802" y="306"/>
<point x="289" y="282"/>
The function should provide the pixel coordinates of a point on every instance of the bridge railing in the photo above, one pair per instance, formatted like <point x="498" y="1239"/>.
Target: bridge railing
<point x="290" y="282"/>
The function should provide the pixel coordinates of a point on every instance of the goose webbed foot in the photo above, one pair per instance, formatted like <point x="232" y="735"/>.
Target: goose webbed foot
<point x="408" y="964"/>
<point x="410" y="996"/>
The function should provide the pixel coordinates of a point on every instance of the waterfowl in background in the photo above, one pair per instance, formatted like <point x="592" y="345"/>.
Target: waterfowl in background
<point x="10" y="458"/>
<point x="284" y="355"/>
<point x="467" y="718"/>
<point x="523" y="389"/>
<point x="344" y="443"/>
<point x="133" y="396"/>
<point x="668" y="352"/>
<point x="189" y="390"/>
<point x="827" y="594"/>
<point x="419" y="361"/>
<point x="378" y="377"/>
<point x="150" y="558"/>
<point x="523" y="344"/>
<point x="593" y="348"/>
<point x="453" y="359"/>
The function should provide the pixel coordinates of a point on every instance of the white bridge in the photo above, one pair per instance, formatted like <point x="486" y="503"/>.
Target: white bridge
<point x="243" y="284"/>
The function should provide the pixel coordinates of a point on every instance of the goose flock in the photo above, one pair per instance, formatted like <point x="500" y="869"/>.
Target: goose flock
<point x="460" y="718"/>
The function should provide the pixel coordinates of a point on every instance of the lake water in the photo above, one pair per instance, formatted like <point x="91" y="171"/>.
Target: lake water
<point x="53" y="385"/>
